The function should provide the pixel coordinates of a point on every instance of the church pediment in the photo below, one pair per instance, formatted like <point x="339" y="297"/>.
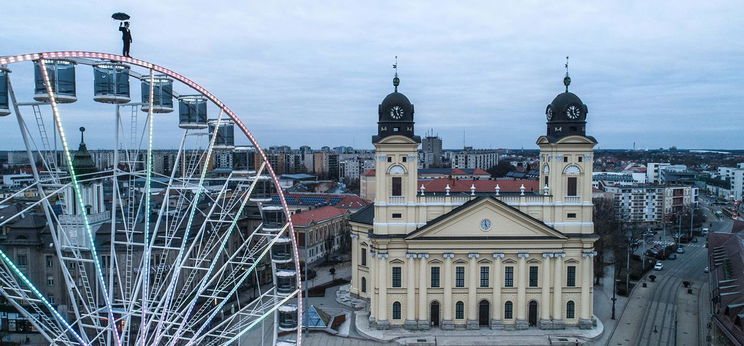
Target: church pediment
<point x="485" y="218"/>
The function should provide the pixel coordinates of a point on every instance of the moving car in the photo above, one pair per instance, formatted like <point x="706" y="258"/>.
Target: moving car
<point x="706" y="270"/>
<point x="658" y="266"/>
<point x="680" y="250"/>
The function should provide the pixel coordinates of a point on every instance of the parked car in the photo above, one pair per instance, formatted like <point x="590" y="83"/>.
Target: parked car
<point x="658" y="266"/>
<point x="705" y="231"/>
<point x="671" y="256"/>
<point x="680" y="250"/>
<point x="706" y="270"/>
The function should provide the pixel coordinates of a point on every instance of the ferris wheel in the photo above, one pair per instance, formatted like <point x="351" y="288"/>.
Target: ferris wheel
<point x="189" y="246"/>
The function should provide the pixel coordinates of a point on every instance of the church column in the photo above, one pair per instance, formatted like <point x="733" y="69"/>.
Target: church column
<point x="423" y="319"/>
<point x="410" y="322"/>
<point x="585" y="318"/>
<point x="472" y="321"/>
<point x="545" y="297"/>
<point x="382" y="318"/>
<point x="558" y="292"/>
<point x="496" y="304"/>
<point x="372" y="287"/>
<point x="521" y="322"/>
<point x="447" y="322"/>
<point x="355" y="279"/>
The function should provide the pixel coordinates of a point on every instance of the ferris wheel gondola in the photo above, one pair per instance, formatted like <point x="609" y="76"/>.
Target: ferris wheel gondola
<point x="171" y="250"/>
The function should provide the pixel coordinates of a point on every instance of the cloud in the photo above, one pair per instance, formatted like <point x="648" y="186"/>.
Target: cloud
<point x="313" y="73"/>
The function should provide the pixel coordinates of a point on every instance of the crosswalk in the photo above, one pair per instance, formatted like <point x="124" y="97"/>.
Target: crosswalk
<point x="668" y="242"/>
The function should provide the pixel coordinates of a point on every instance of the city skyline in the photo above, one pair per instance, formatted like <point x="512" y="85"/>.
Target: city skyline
<point x="300" y="75"/>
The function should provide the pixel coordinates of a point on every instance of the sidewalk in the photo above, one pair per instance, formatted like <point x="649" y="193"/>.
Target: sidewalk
<point x="483" y="336"/>
<point x="688" y="316"/>
<point x="629" y="321"/>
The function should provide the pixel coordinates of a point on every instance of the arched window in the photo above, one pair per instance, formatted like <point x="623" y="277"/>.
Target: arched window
<point x="364" y="285"/>
<point x="396" y="310"/>
<point x="460" y="310"/>
<point x="508" y="310"/>
<point x="570" y="309"/>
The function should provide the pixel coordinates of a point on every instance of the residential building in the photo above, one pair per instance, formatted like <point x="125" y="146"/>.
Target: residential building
<point x="431" y="150"/>
<point x="320" y="232"/>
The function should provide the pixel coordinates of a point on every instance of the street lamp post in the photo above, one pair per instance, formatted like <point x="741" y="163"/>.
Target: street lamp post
<point x="614" y="288"/>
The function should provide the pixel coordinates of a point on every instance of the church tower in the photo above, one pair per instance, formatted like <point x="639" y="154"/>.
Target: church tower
<point x="396" y="164"/>
<point x="566" y="161"/>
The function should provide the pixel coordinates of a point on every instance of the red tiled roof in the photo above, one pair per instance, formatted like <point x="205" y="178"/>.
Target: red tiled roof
<point x="505" y="185"/>
<point x="454" y="171"/>
<point x="346" y="202"/>
<point x="737" y="227"/>
<point x="316" y="215"/>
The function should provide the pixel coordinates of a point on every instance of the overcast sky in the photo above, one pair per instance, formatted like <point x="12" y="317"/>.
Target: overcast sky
<point x="479" y="73"/>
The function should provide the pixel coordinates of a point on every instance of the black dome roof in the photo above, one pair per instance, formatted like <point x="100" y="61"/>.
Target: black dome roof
<point x="396" y="99"/>
<point x="565" y="99"/>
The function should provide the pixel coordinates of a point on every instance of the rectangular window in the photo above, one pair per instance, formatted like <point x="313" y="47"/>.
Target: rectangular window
<point x="459" y="276"/>
<point x="397" y="186"/>
<point x="396" y="277"/>
<point x="508" y="276"/>
<point x="571" y="276"/>
<point x="403" y="159"/>
<point x="571" y="188"/>
<point x="22" y="260"/>
<point x="565" y="159"/>
<point x="51" y="299"/>
<point x="484" y="277"/>
<point x="364" y="257"/>
<point x="581" y="159"/>
<point x="49" y="261"/>
<point x="533" y="276"/>
<point x="397" y="215"/>
<point x="571" y="215"/>
<point x="508" y="310"/>
<point x="50" y="281"/>
<point x="389" y="159"/>
<point x="546" y="181"/>
<point x="434" y="276"/>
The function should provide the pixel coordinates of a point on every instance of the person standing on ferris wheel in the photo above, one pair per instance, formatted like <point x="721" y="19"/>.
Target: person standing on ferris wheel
<point x="126" y="36"/>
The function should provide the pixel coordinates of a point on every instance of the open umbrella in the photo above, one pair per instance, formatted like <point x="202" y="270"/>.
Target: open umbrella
<point x="120" y="16"/>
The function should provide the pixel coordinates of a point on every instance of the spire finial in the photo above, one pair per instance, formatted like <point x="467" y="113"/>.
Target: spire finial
<point x="566" y="79"/>
<point x="82" y="135"/>
<point x="396" y="80"/>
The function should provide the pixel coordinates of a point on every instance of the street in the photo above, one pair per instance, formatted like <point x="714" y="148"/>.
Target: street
<point x="664" y="313"/>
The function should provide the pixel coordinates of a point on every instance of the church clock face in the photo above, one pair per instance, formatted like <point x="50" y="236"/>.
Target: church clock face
<point x="396" y="112"/>
<point x="549" y="113"/>
<point x="485" y="225"/>
<point x="573" y="112"/>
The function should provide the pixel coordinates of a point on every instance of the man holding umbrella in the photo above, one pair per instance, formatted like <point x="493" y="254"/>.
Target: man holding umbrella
<point x="126" y="35"/>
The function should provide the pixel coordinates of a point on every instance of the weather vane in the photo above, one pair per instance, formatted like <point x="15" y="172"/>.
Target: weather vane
<point x="566" y="79"/>
<point x="396" y="80"/>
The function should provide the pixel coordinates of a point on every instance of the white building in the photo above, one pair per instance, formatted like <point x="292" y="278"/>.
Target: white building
<point x="653" y="171"/>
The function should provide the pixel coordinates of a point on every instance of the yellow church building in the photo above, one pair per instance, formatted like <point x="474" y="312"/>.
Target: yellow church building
<point x="484" y="259"/>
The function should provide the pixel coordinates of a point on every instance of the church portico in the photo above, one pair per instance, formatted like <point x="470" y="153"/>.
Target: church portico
<point x="483" y="260"/>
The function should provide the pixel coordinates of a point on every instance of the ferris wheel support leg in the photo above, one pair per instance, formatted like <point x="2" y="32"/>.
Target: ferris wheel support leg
<point x="114" y="184"/>
<point x="138" y="283"/>
<point x="146" y="254"/>
<point x="40" y="296"/>
<point x="180" y="258"/>
<point x="245" y="275"/>
<point x="47" y="205"/>
<point x="91" y="237"/>
<point x="226" y="237"/>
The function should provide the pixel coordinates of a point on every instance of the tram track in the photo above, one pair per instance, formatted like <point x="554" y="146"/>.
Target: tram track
<point x="664" y="294"/>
